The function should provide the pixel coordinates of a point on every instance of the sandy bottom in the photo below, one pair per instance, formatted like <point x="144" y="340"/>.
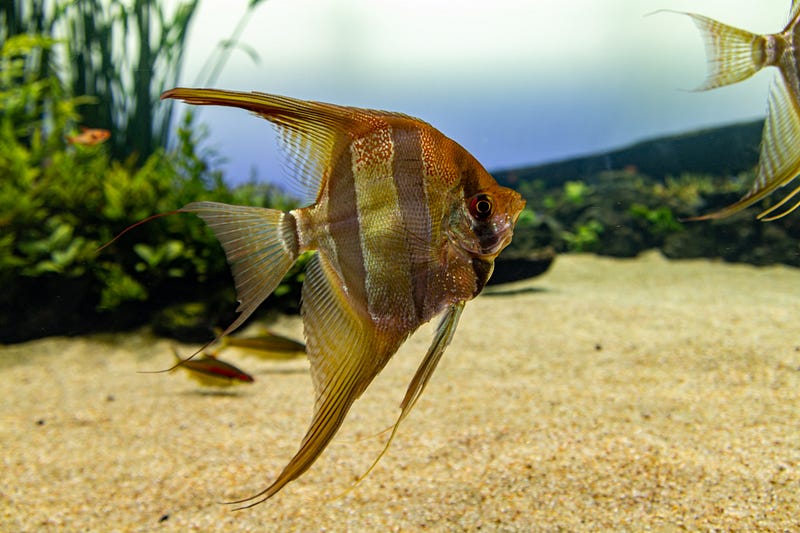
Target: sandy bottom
<point x="607" y="394"/>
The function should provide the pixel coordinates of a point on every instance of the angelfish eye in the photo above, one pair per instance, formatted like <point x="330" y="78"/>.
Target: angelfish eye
<point x="480" y="207"/>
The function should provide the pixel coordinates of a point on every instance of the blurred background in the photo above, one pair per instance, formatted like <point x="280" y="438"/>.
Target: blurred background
<point x="585" y="107"/>
<point x="516" y="82"/>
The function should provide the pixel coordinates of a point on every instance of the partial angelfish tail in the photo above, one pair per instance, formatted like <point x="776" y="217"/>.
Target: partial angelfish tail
<point x="733" y="54"/>
<point x="260" y="245"/>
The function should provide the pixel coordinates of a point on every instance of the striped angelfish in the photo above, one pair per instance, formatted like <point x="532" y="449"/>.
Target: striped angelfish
<point x="406" y="225"/>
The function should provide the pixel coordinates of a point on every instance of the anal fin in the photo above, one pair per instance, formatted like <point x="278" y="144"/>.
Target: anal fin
<point x="345" y="350"/>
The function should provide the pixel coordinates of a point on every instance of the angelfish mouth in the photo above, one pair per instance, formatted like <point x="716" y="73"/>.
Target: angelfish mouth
<point x="494" y="237"/>
<point x="495" y="244"/>
<point x="488" y="243"/>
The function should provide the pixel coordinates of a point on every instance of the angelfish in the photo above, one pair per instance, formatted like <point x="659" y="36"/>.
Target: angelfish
<point x="405" y="224"/>
<point x="735" y="55"/>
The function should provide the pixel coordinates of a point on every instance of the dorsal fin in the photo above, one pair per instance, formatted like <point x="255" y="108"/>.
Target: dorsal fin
<point x="313" y="134"/>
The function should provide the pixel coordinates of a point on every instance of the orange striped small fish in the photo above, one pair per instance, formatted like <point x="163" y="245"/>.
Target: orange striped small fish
<point x="212" y="372"/>
<point x="89" y="136"/>
<point x="405" y="223"/>
<point x="735" y="55"/>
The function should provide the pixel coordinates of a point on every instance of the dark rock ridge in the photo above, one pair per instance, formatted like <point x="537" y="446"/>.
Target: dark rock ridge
<point x="726" y="150"/>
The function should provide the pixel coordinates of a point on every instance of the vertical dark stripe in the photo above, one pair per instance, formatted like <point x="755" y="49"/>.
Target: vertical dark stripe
<point x="791" y="72"/>
<point x="345" y="230"/>
<point x="483" y="271"/>
<point x="409" y="175"/>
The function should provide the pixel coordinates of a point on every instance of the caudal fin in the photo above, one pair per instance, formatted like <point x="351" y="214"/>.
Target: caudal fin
<point x="260" y="245"/>
<point x="732" y="52"/>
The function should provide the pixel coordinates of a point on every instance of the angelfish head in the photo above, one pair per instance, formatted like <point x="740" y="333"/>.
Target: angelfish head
<point x="482" y="224"/>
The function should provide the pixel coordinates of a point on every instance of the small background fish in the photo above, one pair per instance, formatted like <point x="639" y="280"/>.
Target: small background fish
<point x="211" y="371"/>
<point x="265" y="345"/>
<point x="735" y="55"/>
<point x="406" y="225"/>
<point x="89" y="137"/>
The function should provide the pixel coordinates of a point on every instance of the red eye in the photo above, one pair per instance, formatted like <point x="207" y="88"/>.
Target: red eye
<point x="480" y="207"/>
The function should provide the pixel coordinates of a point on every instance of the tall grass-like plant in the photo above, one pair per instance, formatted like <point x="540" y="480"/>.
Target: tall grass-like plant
<point x="125" y="53"/>
<point x="121" y="54"/>
<point x="217" y="60"/>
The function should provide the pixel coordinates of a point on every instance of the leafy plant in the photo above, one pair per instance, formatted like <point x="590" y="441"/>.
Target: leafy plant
<point x="125" y="53"/>
<point x="575" y="192"/>
<point x="120" y="55"/>
<point x="585" y="237"/>
<point x="59" y="203"/>
<point x="661" y="219"/>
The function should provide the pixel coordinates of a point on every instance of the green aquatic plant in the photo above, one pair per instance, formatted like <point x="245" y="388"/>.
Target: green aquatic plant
<point x="527" y="218"/>
<point x="687" y="188"/>
<point x="585" y="237"/>
<point x="124" y="53"/>
<point x="118" y="55"/>
<point x="576" y="192"/>
<point x="59" y="203"/>
<point x="661" y="219"/>
<point x="219" y="57"/>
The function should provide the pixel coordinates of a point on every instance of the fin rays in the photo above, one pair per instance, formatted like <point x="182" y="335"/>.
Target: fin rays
<point x="442" y="338"/>
<point x="729" y="51"/>
<point x="260" y="244"/>
<point x="779" y="160"/>
<point x="312" y="134"/>
<point x="734" y="55"/>
<point x="346" y="352"/>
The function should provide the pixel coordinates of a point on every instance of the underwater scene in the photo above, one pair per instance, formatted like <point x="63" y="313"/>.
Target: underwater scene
<point x="346" y="265"/>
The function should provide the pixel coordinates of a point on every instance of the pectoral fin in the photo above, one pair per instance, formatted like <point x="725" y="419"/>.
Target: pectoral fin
<point x="444" y="334"/>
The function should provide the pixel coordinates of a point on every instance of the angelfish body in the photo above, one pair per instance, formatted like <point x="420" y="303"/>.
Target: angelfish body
<point x="735" y="55"/>
<point x="406" y="225"/>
